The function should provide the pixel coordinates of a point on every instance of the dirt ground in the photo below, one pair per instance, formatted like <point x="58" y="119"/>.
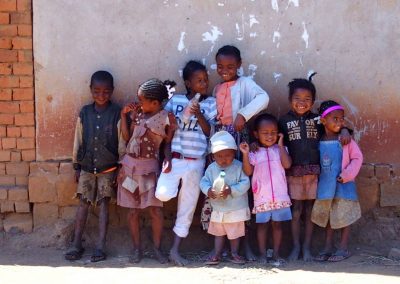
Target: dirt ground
<point x="23" y="260"/>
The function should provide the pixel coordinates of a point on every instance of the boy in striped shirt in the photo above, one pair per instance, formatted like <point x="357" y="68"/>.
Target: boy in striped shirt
<point x="189" y="148"/>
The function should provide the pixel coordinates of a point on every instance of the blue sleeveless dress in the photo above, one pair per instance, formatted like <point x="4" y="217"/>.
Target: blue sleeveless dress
<point x="336" y="203"/>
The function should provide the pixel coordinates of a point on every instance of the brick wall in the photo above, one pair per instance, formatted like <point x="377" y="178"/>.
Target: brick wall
<point x="17" y="122"/>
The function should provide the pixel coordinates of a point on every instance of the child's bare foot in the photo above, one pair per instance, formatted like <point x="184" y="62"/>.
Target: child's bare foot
<point x="294" y="255"/>
<point x="159" y="256"/>
<point x="176" y="259"/>
<point x="262" y="259"/>
<point x="307" y="255"/>
<point x="136" y="256"/>
<point x="250" y="255"/>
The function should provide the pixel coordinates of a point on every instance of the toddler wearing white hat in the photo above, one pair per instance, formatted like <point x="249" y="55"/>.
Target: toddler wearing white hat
<point x="230" y="205"/>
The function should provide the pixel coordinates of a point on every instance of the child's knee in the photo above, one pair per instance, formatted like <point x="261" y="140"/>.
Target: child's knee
<point x="134" y="213"/>
<point x="276" y="225"/>
<point x="155" y="212"/>
<point x="163" y="193"/>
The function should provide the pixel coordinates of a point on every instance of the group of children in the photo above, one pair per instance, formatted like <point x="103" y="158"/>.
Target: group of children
<point x="157" y="148"/>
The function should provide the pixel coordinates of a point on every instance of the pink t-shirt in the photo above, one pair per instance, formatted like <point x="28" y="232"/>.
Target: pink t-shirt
<point x="269" y="180"/>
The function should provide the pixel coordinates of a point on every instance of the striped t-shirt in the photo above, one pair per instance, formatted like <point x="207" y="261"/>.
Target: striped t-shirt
<point x="189" y="139"/>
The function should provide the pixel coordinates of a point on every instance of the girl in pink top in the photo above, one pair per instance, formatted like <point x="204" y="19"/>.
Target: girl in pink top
<point x="267" y="165"/>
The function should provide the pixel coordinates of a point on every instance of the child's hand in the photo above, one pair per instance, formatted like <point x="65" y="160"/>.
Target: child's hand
<point x="339" y="179"/>
<point x="280" y="139"/>
<point x="211" y="193"/>
<point x="344" y="136"/>
<point x="77" y="175"/>
<point x="129" y="107"/>
<point x="173" y="125"/>
<point x="239" y="122"/>
<point x="227" y="190"/>
<point x="244" y="148"/>
<point x="195" y="109"/>
<point x="254" y="147"/>
<point x="166" y="166"/>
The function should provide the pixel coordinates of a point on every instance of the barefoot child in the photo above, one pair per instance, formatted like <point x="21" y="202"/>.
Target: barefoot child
<point x="137" y="179"/>
<point x="230" y="206"/>
<point x="301" y="136"/>
<point x="189" y="148"/>
<point x="267" y="165"/>
<point x="337" y="206"/>
<point x="95" y="159"/>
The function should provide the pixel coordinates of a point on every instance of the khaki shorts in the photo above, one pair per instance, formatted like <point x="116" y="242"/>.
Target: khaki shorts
<point x="303" y="188"/>
<point x="95" y="187"/>
<point x="231" y="230"/>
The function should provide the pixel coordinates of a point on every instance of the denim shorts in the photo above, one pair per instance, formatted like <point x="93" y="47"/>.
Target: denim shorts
<point x="277" y="215"/>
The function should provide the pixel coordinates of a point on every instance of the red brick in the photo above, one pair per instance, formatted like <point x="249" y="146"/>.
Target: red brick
<point x="18" y="194"/>
<point x="21" y="169"/>
<point x="22" y="68"/>
<point x="44" y="214"/>
<point x="68" y="212"/>
<point x="9" y="107"/>
<point x="8" y="81"/>
<point x="24" y="30"/>
<point x="3" y="131"/>
<point x="28" y="155"/>
<point x="15" y="156"/>
<point x="382" y="172"/>
<point x="42" y="189"/>
<point x="5" y="43"/>
<point x="66" y="189"/>
<point x="24" y="119"/>
<point x="28" y="131"/>
<point x="21" y="18"/>
<point x="25" y="56"/>
<point x="4" y="18"/>
<point x="25" y="143"/>
<point x="8" y="56"/>
<point x="24" y="5"/>
<point x="21" y="180"/>
<point x="3" y="193"/>
<point x="7" y="180"/>
<point x="5" y="156"/>
<point x="26" y="81"/>
<point x="9" y="143"/>
<point x="22" y="43"/>
<point x="42" y="168"/>
<point x="8" y="30"/>
<point x="27" y="106"/>
<point x="390" y="194"/>
<point x="13" y="131"/>
<point x="5" y="95"/>
<point x="5" y="68"/>
<point x="22" y="206"/>
<point x="7" y="206"/>
<point x="23" y="94"/>
<point x="6" y="118"/>
<point x="18" y="222"/>
<point x="8" y="5"/>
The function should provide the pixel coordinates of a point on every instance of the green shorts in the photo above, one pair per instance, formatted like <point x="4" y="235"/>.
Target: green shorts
<point x="94" y="187"/>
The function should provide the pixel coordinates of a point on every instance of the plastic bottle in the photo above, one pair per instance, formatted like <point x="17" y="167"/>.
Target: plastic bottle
<point x="219" y="183"/>
<point x="186" y="112"/>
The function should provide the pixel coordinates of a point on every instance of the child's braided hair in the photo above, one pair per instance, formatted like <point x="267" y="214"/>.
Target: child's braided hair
<point x="300" y="83"/>
<point x="155" y="89"/>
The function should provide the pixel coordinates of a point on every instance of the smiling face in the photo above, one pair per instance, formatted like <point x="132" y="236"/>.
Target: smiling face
<point x="198" y="82"/>
<point x="227" y="66"/>
<point x="301" y="101"/>
<point x="267" y="133"/>
<point x="224" y="158"/>
<point x="101" y="93"/>
<point x="333" y="121"/>
<point x="147" y="105"/>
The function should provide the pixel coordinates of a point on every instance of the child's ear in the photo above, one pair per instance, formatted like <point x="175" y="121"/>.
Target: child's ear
<point x="322" y="120"/>
<point x="187" y="84"/>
